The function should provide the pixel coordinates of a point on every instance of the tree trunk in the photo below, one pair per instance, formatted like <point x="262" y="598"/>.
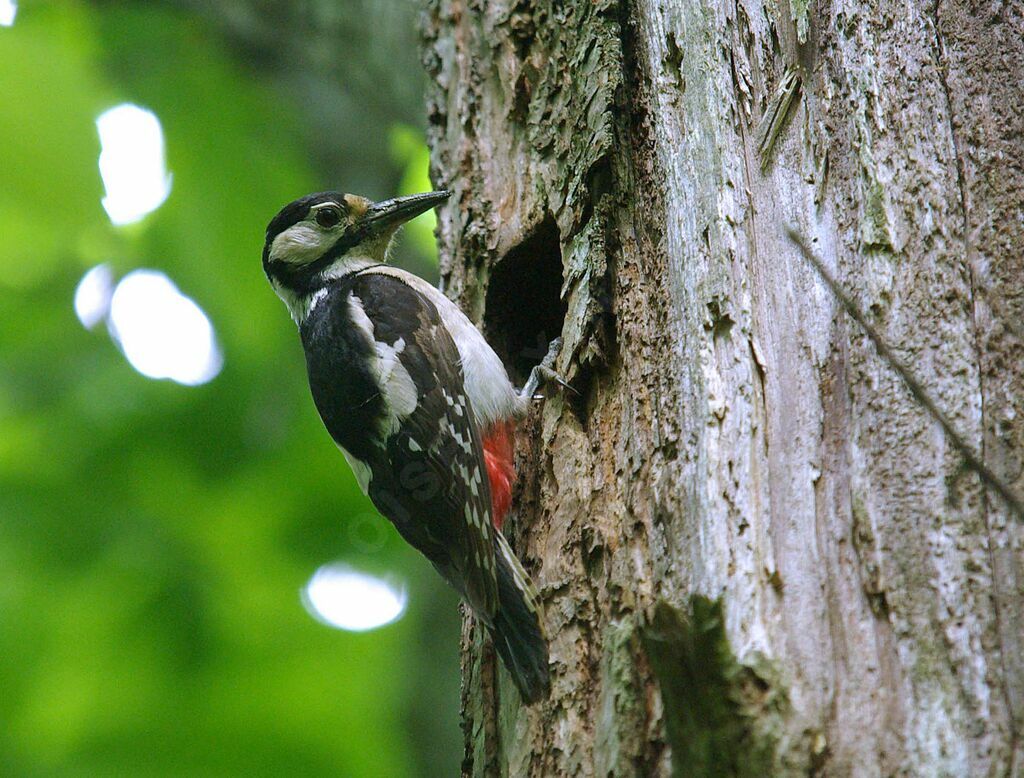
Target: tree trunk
<point x="757" y="552"/>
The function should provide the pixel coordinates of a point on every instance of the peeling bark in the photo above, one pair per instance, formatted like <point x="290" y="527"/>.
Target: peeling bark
<point x="757" y="553"/>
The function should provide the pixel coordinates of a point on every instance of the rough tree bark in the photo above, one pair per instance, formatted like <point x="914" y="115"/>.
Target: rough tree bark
<point x="757" y="552"/>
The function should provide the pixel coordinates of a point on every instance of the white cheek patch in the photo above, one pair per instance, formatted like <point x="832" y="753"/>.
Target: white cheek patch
<point x="300" y="244"/>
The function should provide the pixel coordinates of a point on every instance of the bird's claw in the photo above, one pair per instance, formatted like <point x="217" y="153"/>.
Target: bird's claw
<point x="544" y="373"/>
<point x="553" y="350"/>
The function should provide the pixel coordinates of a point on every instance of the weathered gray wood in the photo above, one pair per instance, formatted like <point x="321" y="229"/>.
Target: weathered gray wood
<point x="757" y="552"/>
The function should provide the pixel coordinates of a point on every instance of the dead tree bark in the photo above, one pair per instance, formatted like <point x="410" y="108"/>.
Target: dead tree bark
<point x="757" y="552"/>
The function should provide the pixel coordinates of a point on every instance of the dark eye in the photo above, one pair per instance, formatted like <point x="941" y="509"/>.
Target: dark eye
<point x="328" y="216"/>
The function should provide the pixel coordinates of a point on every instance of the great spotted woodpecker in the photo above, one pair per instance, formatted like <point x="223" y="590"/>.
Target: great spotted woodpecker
<point x="417" y="401"/>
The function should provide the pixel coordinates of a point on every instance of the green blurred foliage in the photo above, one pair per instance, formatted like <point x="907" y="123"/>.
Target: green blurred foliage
<point x="410" y="153"/>
<point x="154" y="538"/>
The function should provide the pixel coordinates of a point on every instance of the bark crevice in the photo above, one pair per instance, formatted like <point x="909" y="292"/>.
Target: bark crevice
<point x="942" y="66"/>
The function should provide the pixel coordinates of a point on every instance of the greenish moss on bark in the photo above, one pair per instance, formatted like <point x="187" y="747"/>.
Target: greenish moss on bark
<point x="721" y="716"/>
<point x="619" y="726"/>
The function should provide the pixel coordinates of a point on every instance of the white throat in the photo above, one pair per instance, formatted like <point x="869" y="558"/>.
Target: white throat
<point x="301" y="305"/>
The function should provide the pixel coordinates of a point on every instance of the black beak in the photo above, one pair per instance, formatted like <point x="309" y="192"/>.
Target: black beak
<point x="389" y="214"/>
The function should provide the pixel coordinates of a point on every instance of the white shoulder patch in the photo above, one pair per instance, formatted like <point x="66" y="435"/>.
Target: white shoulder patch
<point x="396" y="385"/>
<point x="399" y="388"/>
<point x="359" y="317"/>
<point x="491" y="393"/>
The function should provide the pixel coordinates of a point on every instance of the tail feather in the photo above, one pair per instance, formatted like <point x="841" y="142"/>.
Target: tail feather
<point x="517" y="630"/>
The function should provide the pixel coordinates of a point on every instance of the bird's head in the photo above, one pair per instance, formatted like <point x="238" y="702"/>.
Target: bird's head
<point x="324" y="235"/>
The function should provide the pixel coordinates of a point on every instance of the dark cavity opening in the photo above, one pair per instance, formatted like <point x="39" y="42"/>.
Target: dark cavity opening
<point x="524" y="310"/>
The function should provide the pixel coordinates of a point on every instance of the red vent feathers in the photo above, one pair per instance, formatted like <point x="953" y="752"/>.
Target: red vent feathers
<point x="499" y="456"/>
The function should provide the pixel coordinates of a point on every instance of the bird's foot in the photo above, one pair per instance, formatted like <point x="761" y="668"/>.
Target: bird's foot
<point x="544" y="373"/>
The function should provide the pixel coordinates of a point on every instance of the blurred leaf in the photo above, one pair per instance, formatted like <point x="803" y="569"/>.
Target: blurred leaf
<point x="51" y="193"/>
<point x="155" y="537"/>
<point x="409" y="150"/>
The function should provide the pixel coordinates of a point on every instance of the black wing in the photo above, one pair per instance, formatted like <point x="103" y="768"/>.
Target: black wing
<point x="429" y="479"/>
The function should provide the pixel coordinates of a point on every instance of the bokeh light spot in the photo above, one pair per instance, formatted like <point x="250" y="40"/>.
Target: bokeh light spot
<point x="348" y="599"/>
<point x="92" y="296"/>
<point x="132" y="163"/>
<point x="8" y="10"/>
<point x="163" y="333"/>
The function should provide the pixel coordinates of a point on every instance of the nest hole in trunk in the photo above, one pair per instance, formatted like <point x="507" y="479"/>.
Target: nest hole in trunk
<point x="524" y="310"/>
